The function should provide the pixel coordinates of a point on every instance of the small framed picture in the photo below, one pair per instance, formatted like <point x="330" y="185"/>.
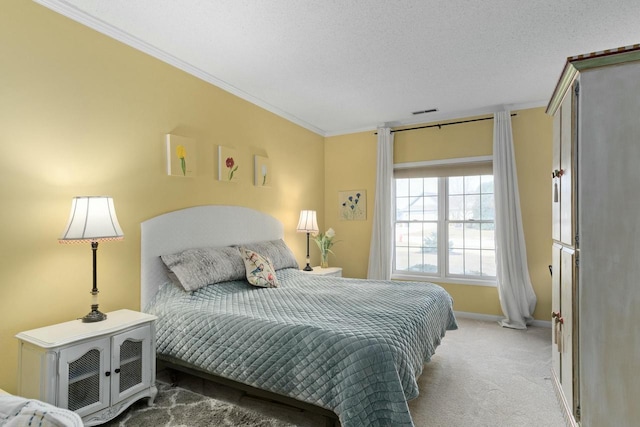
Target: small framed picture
<point x="181" y="156"/>
<point x="262" y="171"/>
<point x="352" y="205"/>
<point x="228" y="166"/>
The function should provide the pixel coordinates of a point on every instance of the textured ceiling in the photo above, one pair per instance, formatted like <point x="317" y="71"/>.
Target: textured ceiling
<point x="341" y="66"/>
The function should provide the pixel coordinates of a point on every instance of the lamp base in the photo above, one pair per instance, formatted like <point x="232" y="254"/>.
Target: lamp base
<point x="307" y="268"/>
<point x="95" y="315"/>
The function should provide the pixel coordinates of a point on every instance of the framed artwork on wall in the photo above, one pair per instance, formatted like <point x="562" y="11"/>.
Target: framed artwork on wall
<point x="262" y="171"/>
<point x="181" y="156"/>
<point x="228" y="164"/>
<point x="352" y="205"/>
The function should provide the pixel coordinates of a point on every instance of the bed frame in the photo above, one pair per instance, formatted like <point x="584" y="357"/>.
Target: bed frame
<point x="208" y="226"/>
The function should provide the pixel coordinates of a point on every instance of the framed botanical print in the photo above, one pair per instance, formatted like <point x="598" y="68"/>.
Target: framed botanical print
<point x="228" y="165"/>
<point x="181" y="156"/>
<point x="262" y="171"/>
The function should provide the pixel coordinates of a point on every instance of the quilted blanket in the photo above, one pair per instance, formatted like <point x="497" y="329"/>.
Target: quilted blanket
<point x="355" y="347"/>
<point x="18" y="411"/>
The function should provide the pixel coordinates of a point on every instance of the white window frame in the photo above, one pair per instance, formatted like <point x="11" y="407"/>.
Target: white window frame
<point x="443" y="222"/>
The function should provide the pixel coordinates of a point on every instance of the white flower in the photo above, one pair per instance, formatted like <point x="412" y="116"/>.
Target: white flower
<point x="330" y="233"/>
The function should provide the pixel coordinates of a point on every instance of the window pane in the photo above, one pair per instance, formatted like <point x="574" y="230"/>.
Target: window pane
<point x="486" y="183"/>
<point x="431" y="186"/>
<point x="488" y="207"/>
<point x="402" y="187"/>
<point x="472" y="262"/>
<point x="472" y="207"/>
<point x="416" y="188"/>
<point x="402" y="208"/>
<point x="430" y="263"/>
<point x="431" y="208"/>
<point x="401" y="234"/>
<point x="415" y="209"/>
<point x="456" y="208"/>
<point x="456" y="235"/>
<point x="487" y="236"/>
<point x="415" y="235"/>
<point x="402" y="258"/>
<point x="472" y="236"/>
<point x="472" y="184"/>
<point x="489" y="263"/>
<point x="415" y="261"/>
<point x="456" y="261"/>
<point x="456" y="185"/>
<point x="430" y="239"/>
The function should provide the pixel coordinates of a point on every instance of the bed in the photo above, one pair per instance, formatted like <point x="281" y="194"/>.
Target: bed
<point x="16" y="411"/>
<point x="351" y="347"/>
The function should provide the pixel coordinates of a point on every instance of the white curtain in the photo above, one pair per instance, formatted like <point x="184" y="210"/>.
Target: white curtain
<point x="380" y="252"/>
<point x="517" y="298"/>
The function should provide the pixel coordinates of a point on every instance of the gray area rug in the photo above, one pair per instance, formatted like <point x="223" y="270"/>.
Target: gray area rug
<point x="178" y="407"/>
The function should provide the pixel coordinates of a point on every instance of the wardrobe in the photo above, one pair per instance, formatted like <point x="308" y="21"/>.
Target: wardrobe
<point x="595" y="249"/>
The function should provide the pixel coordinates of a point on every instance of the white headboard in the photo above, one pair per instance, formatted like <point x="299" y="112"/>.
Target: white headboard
<point x="197" y="227"/>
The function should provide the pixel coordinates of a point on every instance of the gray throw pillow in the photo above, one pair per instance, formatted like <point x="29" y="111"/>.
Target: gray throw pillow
<point x="196" y="268"/>
<point x="277" y="251"/>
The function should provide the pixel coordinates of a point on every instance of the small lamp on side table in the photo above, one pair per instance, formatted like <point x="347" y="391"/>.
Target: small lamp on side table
<point x="92" y="219"/>
<point x="308" y="223"/>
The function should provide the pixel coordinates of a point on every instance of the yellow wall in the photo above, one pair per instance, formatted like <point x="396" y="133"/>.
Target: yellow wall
<point x="351" y="162"/>
<point x="82" y="114"/>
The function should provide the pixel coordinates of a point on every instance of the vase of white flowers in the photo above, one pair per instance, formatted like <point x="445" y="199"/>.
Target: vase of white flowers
<point x="325" y="242"/>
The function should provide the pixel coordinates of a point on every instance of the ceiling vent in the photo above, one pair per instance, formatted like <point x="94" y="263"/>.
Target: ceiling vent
<point x="432" y="110"/>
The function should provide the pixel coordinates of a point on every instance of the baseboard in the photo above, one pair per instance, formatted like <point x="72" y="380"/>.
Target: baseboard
<point x="492" y="318"/>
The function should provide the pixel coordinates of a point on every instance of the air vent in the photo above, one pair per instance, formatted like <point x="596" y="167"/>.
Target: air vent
<point x="432" y="110"/>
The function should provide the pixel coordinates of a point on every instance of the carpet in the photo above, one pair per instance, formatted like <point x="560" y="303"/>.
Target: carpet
<point x="178" y="407"/>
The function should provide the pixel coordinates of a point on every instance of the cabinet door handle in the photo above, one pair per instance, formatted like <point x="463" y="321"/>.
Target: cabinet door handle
<point x="106" y="374"/>
<point x="117" y="370"/>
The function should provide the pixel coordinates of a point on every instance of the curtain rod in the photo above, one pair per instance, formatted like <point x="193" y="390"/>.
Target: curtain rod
<point x="440" y="125"/>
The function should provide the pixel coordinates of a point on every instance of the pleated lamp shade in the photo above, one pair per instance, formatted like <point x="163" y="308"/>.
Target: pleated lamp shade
<point x="308" y="222"/>
<point x="92" y="219"/>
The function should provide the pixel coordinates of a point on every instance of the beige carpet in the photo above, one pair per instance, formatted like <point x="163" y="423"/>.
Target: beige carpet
<point x="486" y="375"/>
<point x="481" y="375"/>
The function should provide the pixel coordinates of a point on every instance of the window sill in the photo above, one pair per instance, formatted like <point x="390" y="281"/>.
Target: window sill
<point x="448" y="280"/>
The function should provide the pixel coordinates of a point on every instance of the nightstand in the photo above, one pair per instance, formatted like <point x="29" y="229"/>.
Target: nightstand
<point x="329" y="271"/>
<point x="94" y="369"/>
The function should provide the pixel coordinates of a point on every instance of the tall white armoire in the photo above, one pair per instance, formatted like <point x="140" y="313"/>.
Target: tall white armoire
<point x="596" y="238"/>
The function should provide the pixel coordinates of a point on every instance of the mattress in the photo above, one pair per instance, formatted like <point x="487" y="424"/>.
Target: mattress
<point x="355" y="347"/>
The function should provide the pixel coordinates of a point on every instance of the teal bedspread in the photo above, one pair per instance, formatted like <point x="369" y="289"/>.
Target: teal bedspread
<point x="352" y="346"/>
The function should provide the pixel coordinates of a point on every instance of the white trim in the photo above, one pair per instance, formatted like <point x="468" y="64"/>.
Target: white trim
<point x="72" y="12"/>
<point x="493" y="318"/>
<point x="448" y="280"/>
<point x="458" y="161"/>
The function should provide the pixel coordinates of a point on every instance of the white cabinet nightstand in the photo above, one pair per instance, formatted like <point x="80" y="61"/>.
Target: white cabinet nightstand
<point x="95" y="369"/>
<point x="329" y="271"/>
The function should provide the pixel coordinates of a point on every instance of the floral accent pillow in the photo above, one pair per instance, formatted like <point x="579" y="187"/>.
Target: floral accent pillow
<point x="260" y="270"/>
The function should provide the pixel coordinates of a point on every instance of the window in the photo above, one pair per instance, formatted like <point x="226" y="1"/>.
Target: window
<point x="444" y="223"/>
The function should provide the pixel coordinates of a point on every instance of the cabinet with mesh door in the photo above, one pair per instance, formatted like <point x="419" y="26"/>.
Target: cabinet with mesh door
<point x="95" y="369"/>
